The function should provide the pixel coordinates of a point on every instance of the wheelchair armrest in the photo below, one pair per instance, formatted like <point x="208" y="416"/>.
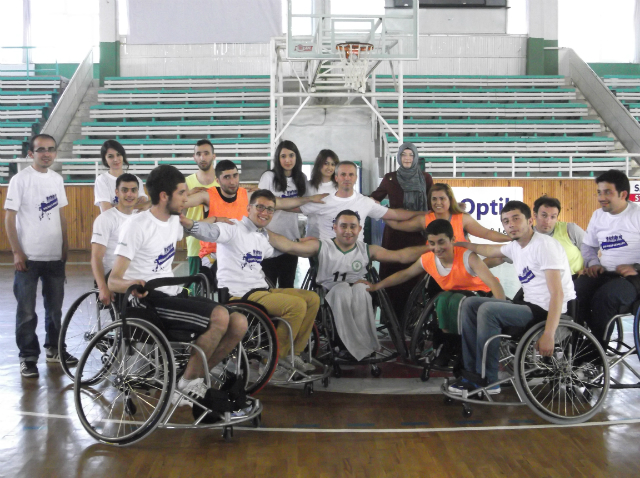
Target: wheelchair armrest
<point x="223" y="295"/>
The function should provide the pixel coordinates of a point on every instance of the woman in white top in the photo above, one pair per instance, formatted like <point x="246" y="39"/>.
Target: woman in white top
<point x="286" y="179"/>
<point x="114" y="157"/>
<point x="322" y="181"/>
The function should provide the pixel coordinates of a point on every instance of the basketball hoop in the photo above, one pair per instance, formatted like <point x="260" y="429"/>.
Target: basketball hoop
<point x="354" y="59"/>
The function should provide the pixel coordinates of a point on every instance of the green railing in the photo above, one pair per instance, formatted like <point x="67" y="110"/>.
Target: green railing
<point x="27" y="54"/>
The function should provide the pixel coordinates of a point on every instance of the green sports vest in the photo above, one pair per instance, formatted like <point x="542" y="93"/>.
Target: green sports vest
<point x="560" y="234"/>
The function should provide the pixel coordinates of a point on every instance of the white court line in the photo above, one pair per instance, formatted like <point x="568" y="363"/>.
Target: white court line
<point x="628" y="421"/>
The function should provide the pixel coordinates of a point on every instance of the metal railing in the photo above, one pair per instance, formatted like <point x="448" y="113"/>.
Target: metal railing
<point x="27" y="62"/>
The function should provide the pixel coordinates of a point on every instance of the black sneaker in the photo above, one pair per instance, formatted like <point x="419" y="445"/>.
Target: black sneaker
<point x="54" y="357"/>
<point x="29" y="369"/>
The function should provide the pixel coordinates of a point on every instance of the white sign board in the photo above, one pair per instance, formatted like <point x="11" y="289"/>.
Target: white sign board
<point x="634" y="196"/>
<point x="485" y="204"/>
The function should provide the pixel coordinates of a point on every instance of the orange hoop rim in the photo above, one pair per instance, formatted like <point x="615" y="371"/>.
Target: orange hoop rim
<point x="354" y="46"/>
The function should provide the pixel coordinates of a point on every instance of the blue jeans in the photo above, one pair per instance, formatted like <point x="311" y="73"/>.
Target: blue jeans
<point x="25" y="285"/>
<point x="483" y="317"/>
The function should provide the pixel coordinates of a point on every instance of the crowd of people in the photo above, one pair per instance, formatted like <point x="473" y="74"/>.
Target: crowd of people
<point x="248" y="241"/>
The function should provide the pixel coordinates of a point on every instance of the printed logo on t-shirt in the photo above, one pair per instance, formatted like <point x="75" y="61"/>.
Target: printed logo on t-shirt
<point x="290" y="194"/>
<point x="356" y="266"/>
<point x="162" y="259"/>
<point x="613" y="242"/>
<point x="526" y="276"/>
<point x="115" y="200"/>
<point x="49" y="204"/>
<point x="254" y="257"/>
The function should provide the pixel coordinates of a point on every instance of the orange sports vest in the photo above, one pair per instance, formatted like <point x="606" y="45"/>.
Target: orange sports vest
<point x="220" y="208"/>
<point x="456" y="223"/>
<point x="458" y="278"/>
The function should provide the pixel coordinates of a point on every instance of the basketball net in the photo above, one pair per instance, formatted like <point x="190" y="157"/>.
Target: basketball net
<point x="354" y="60"/>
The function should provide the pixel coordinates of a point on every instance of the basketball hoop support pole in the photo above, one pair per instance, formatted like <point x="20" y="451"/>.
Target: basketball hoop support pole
<point x="381" y="118"/>
<point x="289" y="122"/>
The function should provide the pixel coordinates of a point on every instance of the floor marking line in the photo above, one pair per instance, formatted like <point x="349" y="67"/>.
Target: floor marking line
<point x="627" y="421"/>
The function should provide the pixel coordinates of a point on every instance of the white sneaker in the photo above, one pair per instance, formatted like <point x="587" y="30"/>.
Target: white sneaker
<point x="298" y="364"/>
<point x="281" y="374"/>
<point x="194" y="389"/>
<point x="243" y="412"/>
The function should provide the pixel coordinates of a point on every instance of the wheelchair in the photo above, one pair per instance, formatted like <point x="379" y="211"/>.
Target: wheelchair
<point x="421" y="294"/>
<point x="262" y="348"/>
<point x="125" y="385"/>
<point x="566" y="388"/>
<point x="332" y="351"/>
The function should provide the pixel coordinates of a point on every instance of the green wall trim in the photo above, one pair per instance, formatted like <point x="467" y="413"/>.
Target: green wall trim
<point x="109" y="60"/>
<point x="535" y="56"/>
<point x="551" y="57"/>
<point x="602" y="69"/>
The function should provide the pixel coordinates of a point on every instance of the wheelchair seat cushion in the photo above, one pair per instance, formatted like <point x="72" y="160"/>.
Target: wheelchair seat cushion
<point x="181" y="319"/>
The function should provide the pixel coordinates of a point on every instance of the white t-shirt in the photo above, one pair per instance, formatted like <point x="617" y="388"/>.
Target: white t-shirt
<point x="241" y="249"/>
<point x="283" y="222"/>
<point x="150" y="245"/>
<point x="104" y="189"/>
<point x="38" y="198"/>
<point x="326" y="213"/>
<point x="106" y="231"/>
<point x="313" y="227"/>
<point x="335" y="265"/>
<point x="542" y="253"/>
<point x="617" y="236"/>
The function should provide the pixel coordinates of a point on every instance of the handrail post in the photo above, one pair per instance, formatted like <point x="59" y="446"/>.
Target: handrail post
<point x="455" y="159"/>
<point x="571" y="165"/>
<point x="513" y="166"/>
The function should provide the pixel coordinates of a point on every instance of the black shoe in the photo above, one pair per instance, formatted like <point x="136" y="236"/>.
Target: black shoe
<point x="54" y="357"/>
<point x="28" y="369"/>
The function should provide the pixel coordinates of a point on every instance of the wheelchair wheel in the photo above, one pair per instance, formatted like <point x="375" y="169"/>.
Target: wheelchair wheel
<point x="86" y="316"/>
<point x="388" y="317"/>
<point x="233" y="367"/>
<point x="416" y="303"/>
<point x="636" y="332"/>
<point x="568" y="387"/>
<point x="132" y="382"/>
<point x="260" y="344"/>
<point x="421" y="346"/>
<point x="327" y="334"/>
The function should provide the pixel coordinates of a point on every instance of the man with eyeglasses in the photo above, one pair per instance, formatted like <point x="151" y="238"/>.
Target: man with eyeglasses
<point x="242" y="246"/>
<point x="37" y="232"/>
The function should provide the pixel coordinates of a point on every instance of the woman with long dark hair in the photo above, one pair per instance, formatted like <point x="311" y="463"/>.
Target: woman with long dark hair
<point x="322" y="181"/>
<point x="114" y="157"/>
<point x="406" y="188"/>
<point x="285" y="180"/>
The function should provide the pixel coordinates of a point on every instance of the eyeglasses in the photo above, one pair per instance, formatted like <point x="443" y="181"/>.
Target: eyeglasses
<point x="51" y="149"/>
<point x="261" y="208"/>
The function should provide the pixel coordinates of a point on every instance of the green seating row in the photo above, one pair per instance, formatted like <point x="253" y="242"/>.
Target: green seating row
<point x="483" y="77"/>
<point x="174" y="106"/>
<point x="240" y="122"/>
<point x="454" y="89"/>
<point x="520" y="159"/>
<point x="196" y="77"/>
<point x="189" y="90"/>
<point x="407" y="104"/>
<point x="502" y="139"/>
<point x="94" y="142"/>
<point x="492" y="121"/>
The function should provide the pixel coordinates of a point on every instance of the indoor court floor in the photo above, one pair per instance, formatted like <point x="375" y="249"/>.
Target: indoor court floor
<point x="359" y="426"/>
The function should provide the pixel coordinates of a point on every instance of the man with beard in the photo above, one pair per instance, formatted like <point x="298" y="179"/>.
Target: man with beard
<point x="205" y="177"/>
<point x="145" y="251"/>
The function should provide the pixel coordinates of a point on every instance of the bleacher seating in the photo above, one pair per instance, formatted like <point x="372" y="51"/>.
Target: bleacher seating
<point x="162" y="117"/>
<point x="518" y="115"/>
<point x="627" y="90"/>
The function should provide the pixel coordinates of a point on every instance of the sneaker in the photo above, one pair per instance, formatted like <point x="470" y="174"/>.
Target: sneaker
<point x="243" y="412"/>
<point x="298" y="364"/>
<point x="459" y="386"/>
<point x="29" y="369"/>
<point x="194" y="389"/>
<point x="281" y="375"/>
<point x="54" y="357"/>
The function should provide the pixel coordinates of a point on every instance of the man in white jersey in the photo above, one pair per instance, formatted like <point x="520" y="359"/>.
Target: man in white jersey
<point x="106" y="229"/>
<point x="342" y="269"/>
<point x="611" y="281"/>
<point x="347" y="198"/>
<point x="37" y="232"/>
<point x="145" y="251"/>
<point x="242" y="246"/>
<point x="543" y="271"/>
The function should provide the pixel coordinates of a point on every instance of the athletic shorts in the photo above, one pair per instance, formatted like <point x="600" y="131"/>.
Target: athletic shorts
<point x="182" y="319"/>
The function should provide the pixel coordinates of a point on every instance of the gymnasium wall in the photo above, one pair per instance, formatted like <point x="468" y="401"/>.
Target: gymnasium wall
<point x="577" y="197"/>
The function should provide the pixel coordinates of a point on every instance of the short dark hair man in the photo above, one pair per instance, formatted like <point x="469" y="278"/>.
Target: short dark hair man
<point x="145" y="251"/>
<point x="546" y="211"/>
<point x="612" y="280"/>
<point x="543" y="271"/>
<point x="37" y="232"/>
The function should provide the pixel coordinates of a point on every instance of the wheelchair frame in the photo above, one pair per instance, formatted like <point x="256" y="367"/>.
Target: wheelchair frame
<point x="155" y="375"/>
<point x="622" y="351"/>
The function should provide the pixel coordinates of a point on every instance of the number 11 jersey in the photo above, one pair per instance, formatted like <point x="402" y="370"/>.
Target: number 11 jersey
<point x="335" y="265"/>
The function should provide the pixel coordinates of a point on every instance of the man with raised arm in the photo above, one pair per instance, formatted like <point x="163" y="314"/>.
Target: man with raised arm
<point x="242" y="246"/>
<point x="612" y="280"/>
<point x="145" y="251"/>
<point x="347" y="198"/>
<point x="454" y="269"/>
<point x="342" y="268"/>
<point x="37" y="231"/>
<point x="106" y="230"/>
<point x="546" y="211"/>
<point x="543" y="271"/>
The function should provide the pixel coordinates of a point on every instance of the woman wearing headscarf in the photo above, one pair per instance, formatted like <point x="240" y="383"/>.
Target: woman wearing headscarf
<point x="406" y="188"/>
